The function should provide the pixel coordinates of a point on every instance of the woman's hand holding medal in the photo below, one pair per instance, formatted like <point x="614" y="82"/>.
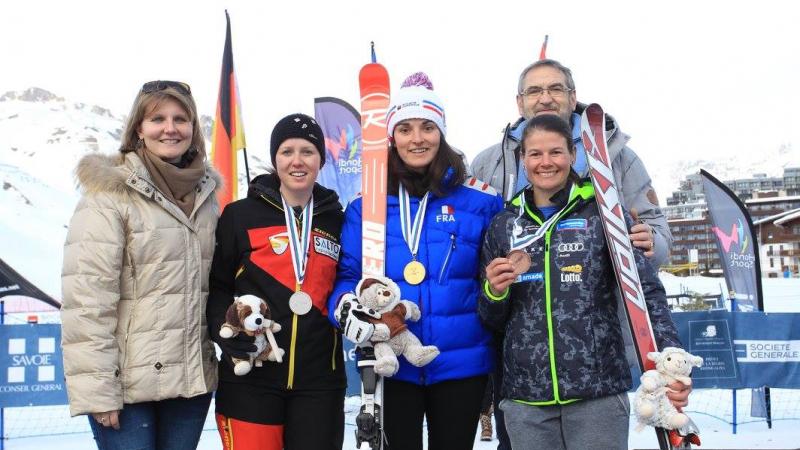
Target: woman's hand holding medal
<point x="501" y="272"/>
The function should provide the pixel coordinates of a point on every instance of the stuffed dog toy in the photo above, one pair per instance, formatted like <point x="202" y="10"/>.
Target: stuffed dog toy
<point x="250" y="315"/>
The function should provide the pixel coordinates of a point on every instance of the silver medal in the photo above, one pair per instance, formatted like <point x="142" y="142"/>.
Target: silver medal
<point x="300" y="303"/>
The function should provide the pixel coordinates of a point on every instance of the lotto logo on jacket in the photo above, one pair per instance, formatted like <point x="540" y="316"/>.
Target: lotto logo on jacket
<point x="571" y="274"/>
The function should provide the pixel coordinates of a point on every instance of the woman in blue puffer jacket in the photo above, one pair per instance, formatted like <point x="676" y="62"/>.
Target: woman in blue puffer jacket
<point x="428" y="178"/>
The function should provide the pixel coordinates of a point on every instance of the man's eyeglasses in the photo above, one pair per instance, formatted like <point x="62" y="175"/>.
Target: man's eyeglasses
<point x="555" y="91"/>
<point x="160" y="85"/>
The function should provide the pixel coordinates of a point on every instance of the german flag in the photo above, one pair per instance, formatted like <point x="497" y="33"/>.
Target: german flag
<point x="228" y="132"/>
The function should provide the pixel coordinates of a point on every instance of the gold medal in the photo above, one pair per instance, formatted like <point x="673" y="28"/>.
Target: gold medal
<point x="414" y="272"/>
<point x="520" y="261"/>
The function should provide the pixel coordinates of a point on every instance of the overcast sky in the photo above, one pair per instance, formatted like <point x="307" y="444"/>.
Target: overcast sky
<point x="686" y="79"/>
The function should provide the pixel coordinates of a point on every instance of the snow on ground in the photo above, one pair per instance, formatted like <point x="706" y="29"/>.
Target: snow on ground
<point x="780" y="294"/>
<point x="715" y="434"/>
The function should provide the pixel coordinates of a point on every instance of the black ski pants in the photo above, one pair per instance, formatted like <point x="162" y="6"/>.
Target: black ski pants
<point x="451" y="409"/>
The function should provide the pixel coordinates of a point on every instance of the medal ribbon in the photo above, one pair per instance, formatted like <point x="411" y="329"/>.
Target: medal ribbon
<point x="519" y="242"/>
<point x="298" y="244"/>
<point x="412" y="232"/>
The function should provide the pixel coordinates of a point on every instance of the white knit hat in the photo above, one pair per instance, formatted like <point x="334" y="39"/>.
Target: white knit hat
<point x="416" y="100"/>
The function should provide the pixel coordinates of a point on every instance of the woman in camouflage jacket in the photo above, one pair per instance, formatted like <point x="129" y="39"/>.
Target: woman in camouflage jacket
<point x="550" y="288"/>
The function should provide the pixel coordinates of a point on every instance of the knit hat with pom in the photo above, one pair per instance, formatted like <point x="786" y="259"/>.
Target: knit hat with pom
<point x="416" y="100"/>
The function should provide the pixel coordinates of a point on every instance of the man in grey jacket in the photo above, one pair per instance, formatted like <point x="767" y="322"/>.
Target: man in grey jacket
<point x="547" y="87"/>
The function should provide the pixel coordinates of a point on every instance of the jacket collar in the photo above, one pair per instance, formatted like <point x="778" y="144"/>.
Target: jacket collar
<point x="140" y="181"/>
<point x="584" y="192"/>
<point x="267" y="187"/>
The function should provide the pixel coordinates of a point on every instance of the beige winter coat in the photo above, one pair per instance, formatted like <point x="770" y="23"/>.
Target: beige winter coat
<point x="134" y="285"/>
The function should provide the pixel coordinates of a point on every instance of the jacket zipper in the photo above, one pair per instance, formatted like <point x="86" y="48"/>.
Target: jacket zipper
<point x="135" y="300"/>
<point x="292" y="348"/>
<point x="548" y="300"/>
<point x="446" y="265"/>
<point x="549" y="309"/>
<point x="293" y="344"/>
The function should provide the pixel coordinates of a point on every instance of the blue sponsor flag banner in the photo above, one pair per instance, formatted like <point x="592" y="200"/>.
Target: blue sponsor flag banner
<point x="742" y="350"/>
<point x="341" y="124"/>
<point x="736" y="242"/>
<point x="31" y="369"/>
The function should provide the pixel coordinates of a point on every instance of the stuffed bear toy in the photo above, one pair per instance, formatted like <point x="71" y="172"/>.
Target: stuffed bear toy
<point x="391" y="336"/>
<point x="651" y="405"/>
<point x="250" y="315"/>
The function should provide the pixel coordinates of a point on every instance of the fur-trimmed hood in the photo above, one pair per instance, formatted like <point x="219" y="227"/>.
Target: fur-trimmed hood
<point x="98" y="172"/>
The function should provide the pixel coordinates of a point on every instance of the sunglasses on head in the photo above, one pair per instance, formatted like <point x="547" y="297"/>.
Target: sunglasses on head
<point x="160" y="85"/>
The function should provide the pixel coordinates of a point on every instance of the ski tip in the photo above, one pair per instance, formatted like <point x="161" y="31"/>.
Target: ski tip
<point x="594" y="108"/>
<point x="373" y="76"/>
<point x="594" y="114"/>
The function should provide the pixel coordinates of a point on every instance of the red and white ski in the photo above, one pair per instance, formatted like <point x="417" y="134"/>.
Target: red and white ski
<point x="373" y="80"/>
<point x="593" y="125"/>
<point x="374" y="83"/>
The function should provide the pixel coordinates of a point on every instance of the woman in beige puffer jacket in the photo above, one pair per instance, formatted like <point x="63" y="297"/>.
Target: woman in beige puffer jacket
<point x="135" y="280"/>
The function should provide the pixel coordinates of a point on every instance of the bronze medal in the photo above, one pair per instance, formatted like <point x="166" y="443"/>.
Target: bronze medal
<point x="414" y="272"/>
<point x="520" y="261"/>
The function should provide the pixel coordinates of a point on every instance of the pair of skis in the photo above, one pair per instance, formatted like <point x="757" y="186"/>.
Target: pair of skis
<point x="373" y="80"/>
<point x="593" y="125"/>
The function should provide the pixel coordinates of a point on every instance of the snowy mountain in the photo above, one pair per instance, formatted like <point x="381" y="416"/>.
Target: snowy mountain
<point x="42" y="137"/>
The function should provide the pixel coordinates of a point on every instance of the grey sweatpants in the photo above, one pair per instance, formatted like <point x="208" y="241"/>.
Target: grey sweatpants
<point x="600" y="424"/>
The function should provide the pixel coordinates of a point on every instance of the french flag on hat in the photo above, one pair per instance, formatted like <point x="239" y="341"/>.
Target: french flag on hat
<point x="415" y="100"/>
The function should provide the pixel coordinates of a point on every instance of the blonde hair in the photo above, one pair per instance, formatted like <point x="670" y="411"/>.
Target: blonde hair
<point x="148" y="102"/>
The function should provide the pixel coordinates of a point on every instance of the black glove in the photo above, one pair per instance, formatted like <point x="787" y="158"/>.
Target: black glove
<point x="237" y="346"/>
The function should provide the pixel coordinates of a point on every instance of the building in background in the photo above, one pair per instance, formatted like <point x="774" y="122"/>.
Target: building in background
<point x="693" y="235"/>
<point x="745" y="187"/>
<point x="779" y="236"/>
<point x="773" y="204"/>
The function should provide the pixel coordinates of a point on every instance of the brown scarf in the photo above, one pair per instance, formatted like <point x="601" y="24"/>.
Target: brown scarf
<point x="178" y="185"/>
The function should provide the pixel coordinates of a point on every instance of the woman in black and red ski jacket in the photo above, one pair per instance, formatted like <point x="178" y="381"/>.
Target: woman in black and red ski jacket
<point x="298" y="403"/>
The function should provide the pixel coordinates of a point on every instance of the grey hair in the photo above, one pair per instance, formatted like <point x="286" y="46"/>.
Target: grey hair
<point x="548" y="63"/>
